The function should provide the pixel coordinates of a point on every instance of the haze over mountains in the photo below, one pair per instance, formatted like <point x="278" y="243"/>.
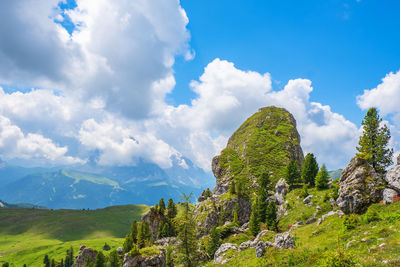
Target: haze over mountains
<point x="93" y="186"/>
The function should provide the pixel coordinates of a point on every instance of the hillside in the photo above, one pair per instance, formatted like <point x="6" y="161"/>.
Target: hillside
<point x="26" y="235"/>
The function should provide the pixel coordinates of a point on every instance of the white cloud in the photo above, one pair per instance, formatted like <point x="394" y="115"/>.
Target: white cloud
<point x="15" y="144"/>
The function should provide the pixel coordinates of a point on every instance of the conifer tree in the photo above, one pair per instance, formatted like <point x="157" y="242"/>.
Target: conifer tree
<point x="254" y="223"/>
<point x="113" y="259"/>
<point x="141" y="239"/>
<point x="88" y="262"/>
<point x="207" y="193"/>
<point x="239" y="188"/>
<point x="61" y="263"/>
<point x="69" y="259"/>
<point x="161" y="205"/>
<point x="232" y="188"/>
<point x="100" y="260"/>
<point x="53" y="263"/>
<point x="373" y="143"/>
<point x="309" y="170"/>
<point x="322" y="179"/>
<point x="171" y="209"/>
<point x="262" y="193"/>
<point x="128" y="243"/>
<point x="169" y="260"/>
<point x="46" y="261"/>
<point x="236" y="214"/>
<point x="134" y="231"/>
<point x="6" y="264"/>
<point x="187" y="232"/>
<point x="271" y="216"/>
<point x="213" y="242"/>
<point x="292" y="173"/>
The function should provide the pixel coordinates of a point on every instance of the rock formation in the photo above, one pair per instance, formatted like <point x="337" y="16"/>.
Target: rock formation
<point x="84" y="253"/>
<point x="140" y="261"/>
<point x="154" y="219"/>
<point x="220" y="254"/>
<point x="392" y="177"/>
<point x="360" y="186"/>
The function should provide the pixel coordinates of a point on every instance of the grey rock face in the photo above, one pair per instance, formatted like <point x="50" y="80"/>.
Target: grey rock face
<point x="282" y="187"/>
<point x="388" y="195"/>
<point x="153" y="218"/>
<point x="360" y="186"/>
<point x="84" y="253"/>
<point x="313" y="219"/>
<point x="260" y="249"/>
<point x="119" y="250"/>
<point x="278" y="199"/>
<point x="307" y="200"/>
<point x="284" y="241"/>
<point x="166" y="241"/>
<point x="220" y="254"/>
<point x="139" y="261"/>
<point x="392" y="177"/>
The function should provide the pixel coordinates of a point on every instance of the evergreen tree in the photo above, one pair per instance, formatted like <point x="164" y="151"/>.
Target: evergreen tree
<point x="134" y="231"/>
<point x="271" y="216"/>
<point x="161" y="204"/>
<point x="88" y="263"/>
<point x="239" y="188"/>
<point x="187" y="233"/>
<point x="169" y="260"/>
<point x="292" y="173"/>
<point x="46" y="261"/>
<point x="53" y="263"/>
<point x="213" y="242"/>
<point x="373" y="144"/>
<point x="6" y="264"/>
<point x="128" y="243"/>
<point x="69" y="259"/>
<point x="24" y="265"/>
<point x="236" y="214"/>
<point x="232" y="188"/>
<point x="171" y="209"/>
<point x="254" y="223"/>
<point x="262" y="194"/>
<point x="310" y="169"/>
<point x="207" y="193"/>
<point x="322" y="179"/>
<point x="113" y="259"/>
<point x="100" y="260"/>
<point x="61" y="263"/>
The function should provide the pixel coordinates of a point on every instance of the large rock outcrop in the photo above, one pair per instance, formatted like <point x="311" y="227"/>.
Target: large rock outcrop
<point x="154" y="219"/>
<point x="84" y="253"/>
<point x="392" y="177"/>
<point x="265" y="142"/>
<point x="140" y="261"/>
<point x="360" y="186"/>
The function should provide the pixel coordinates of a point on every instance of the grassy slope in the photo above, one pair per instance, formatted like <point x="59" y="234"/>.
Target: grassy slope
<point x="314" y="244"/>
<point x="26" y="235"/>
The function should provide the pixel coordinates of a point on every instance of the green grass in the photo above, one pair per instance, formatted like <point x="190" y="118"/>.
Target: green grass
<point x="26" y="235"/>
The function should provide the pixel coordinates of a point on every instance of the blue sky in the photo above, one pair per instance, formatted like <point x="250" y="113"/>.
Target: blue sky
<point x="342" y="46"/>
<point x="163" y="80"/>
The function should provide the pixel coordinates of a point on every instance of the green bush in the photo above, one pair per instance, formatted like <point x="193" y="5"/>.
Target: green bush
<point x="225" y="230"/>
<point x="134" y="251"/>
<point x="304" y="193"/>
<point x="371" y="216"/>
<point x="350" y="222"/>
<point x="339" y="259"/>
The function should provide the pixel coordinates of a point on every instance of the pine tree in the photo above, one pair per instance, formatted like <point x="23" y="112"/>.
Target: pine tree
<point x="262" y="194"/>
<point x="61" y="263"/>
<point x="161" y="205"/>
<point x="113" y="259"/>
<point x="207" y="193"/>
<point x="6" y="264"/>
<point x="373" y="144"/>
<point x="310" y="169"/>
<point x="213" y="242"/>
<point x="292" y="173"/>
<point x="187" y="232"/>
<point x="46" y="261"/>
<point x="100" y="260"/>
<point x="141" y="239"/>
<point x="322" y="179"/>
<point x="232" y="188"/>
<point x="171" y="209"/>
<point x="169" y="260"/>
<point x="271" y="216"/>
<point x="236" y="214"/>
<point x="53" y="263"/>
<point x="254" y="223"/>
<point x="88" y="263"/>
<point x="134" y="231"/>
<point x="128" y="243"/>
<point x="239" y="188"/>
<point x="69" y="259"/>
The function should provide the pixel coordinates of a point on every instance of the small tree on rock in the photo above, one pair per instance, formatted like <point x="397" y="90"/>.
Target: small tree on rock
<point x="171" y="209"/>
<point x="161" y="205"/>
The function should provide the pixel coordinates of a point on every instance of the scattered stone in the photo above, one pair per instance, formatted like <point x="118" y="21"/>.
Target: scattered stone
<point x="360" y="186"/>
<point x="385" y="261"/>
<point x="382" y="245"/>
<point x="282" y="187"/>
<point x="348" y="245"/>
<point x="331" y="213"/>
<point x="310" y="204"/>
<point x="284" y="240"/>
<point x="298" y="223"/>
<point x="388" y="195"/>
<point x="307" y="200"/>
<point x="365" y="233"/>
<point x="278" y="199"/>
<point x="313" y="219"/>
<point x="84" y="253"/>
<point x="318" y="208"/>
<point x="166" y="241"/>
<point x="106" y="247"/>
<point x="220" y="254"/>
<point x="120" y="250"/>
<point x="244" y="227"/>
<point x="333" y="202"/>
<point x="282" y="212"/>
<point x="366" y="240"/>
<point x="136" y="261"/>
<point x="237" y="230"/>
<point x="260" y="249"/>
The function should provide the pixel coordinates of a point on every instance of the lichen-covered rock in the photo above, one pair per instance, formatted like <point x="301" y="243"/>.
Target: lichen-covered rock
<point x="140" y="261"/>
<point x="388" y="195"/>
<point x="166" y="241"/>
<point x="307" y="200"/>
<point x="270" y="132"/>
<point x="392" y="177"/>
<point x="282" y="187"/>
<point x="284" y="241"/>
<point x="278" y="199"/>
<point x="331" y="213"/>
<point x="84" y="253"/>
<point x="313" y="219"/>
<point x="154" y="219"/>
<point x="260" y="249"/>
<point x="220" y="254"/>
<point x="360" y="186"/>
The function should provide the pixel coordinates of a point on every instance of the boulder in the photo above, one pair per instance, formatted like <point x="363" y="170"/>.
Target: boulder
<point x="166" y="241"/>
<point x="84" y="253"/>
<point x="140" y="261"/>
<point x="220" y="254"/>
<point x="331" y="213"/>
<point x="313" y="219"/>
<point x="284" y="241"/>
<point x="392" y="177"/>
<point x="120" y="250"/>
<point x="307" y="200"/>
<point x="388" y="195"/>
<point x="360" y="186"/>
<point x="282" y="187"/>
<point x="260" y="249"/>
<point x="106" y="247"/>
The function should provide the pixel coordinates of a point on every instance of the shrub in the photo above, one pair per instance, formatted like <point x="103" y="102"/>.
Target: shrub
<point x="339" y="259"/>
<point x="134" y="251"/>
<point x="350" y="222"/>
<point x="304" y="193"/>
<point x="371" y="216"/>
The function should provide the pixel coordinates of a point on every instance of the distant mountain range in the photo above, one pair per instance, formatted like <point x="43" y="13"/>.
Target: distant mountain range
<point x="92" y="186"/>
<point x="335" y="174"/>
